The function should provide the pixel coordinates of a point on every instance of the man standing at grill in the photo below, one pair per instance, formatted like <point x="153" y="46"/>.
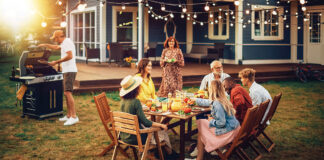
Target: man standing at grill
<point x="69" y="71"/>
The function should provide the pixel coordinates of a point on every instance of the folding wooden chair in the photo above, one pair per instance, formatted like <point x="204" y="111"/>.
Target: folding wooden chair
<point x="128" y="123"/>
<point x="104" y="113"/>
<point x="242" y="136"/>
<point x="264" y="125"/>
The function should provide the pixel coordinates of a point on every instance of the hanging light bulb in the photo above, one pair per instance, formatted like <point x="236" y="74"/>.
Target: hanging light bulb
<point x="247" y="11"/>
<point x="201" y="23"/>
<point x="287" y="26"/>
<point x="237" y="2"/>
<point x="59" y="2"/>
<point x="249" y="21"/>
<point x="274" y="12"/>
<point x="194" y="22"/>
<point x="288" y="2"/>
<point x="244" y="26"/>
<point x="82" y="5"/>
<point x="102" y="3"/>
<point x="146" y="4"/>
<point x="124" y="7"/>
<point x="171" y="15"/>
<point x="182" y="15"/>
<point x="63" y="24"/>
<point x="258" y="21"/>
<point x="265" y="22"/>
<point x="195" y="15"/>
<point x="303" y="8"/>
<point x="184" y="9"/>
<point x="179" y="6"/>
<point x="214" y="4"/>
<point x="44" y="24"/>
<point x="156" y="18"/>
<point x="278" y="2"/>
<point x="216" y="21"/>
<point x="188" y="15"/>
<point x="233" y="17"/>
<point x="248" y="4"/>
<point x="285" y="18"/>
<point x="299" y="27"/>
<point x="162" y="7"/>
<point x="149" y="11"/>
<point x="286" y="11"/>
<point x="188" y="18"/>
<point x="220" y="9"/>
<point x="226" y="13"/>
<point x="211" y="15"/>
<point x="310" y="27"/>
<point x="302" y="1"/>
<point x="152" y="15"/>
<point x="140" y="1"/>
<point x="231" y="24"/>
<point x="211" y="22"/>
<point x="277" y="23"/>
<point x="165" y="18"/>
<point x="232" y="12"/>
<point x="206" y="7"/>
<point x="219" y="17"/>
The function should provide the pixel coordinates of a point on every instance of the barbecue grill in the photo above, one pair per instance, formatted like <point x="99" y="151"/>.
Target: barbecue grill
<point x="44" y="95"/>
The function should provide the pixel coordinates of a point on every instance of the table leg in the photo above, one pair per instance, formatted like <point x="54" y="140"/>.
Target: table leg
<point x="182" y="139"/>
<point x="189" y="127"/>
<point x="153" y="118"/>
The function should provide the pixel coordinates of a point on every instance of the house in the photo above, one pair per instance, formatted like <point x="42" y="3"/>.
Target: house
<point x="254" y="31"/>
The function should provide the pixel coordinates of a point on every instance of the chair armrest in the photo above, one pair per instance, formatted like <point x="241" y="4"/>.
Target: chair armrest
<point x="149" y="130"/>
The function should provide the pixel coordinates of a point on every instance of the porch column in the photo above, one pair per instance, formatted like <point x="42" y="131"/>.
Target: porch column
<point x="239" y="33"/>
<point x="140" y="45"/>
<point x="189" y="30"/>
<point x="103" y="51"/>
<point x="293" y="31"/>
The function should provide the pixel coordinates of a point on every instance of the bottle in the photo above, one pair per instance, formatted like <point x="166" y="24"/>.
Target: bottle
<point x="13" y="72"/>
<point x="169" y="100"/>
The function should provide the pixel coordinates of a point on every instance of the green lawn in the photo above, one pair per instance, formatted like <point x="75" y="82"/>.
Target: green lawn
<point x="296" y="127"/>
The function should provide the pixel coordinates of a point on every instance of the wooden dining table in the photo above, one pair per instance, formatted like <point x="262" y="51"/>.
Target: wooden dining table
<point x="182" y="120"/>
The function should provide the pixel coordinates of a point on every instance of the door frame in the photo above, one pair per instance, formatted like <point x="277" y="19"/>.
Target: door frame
<point x="318" y="8"/>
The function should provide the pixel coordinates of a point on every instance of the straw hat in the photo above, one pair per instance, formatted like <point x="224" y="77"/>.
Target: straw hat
<point x="57" y="33"/>
<point x="129" y="83"/>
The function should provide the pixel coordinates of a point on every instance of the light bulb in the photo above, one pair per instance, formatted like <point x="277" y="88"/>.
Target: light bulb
<point x="265" y="22"/>
<point x="188" y="18"/>
<point x="156" y="18"/>
<point x="165" y="18"/>
<point x="140" y="1"/>
<point x="219" y="17"/>
<point x="247" y="11"/>
<point x="148" y="11"/>
<point x="123" y="7"/>
<point x="81" y="7"/>
<point x="162" y="7"/>
<point x="206" y="7"/>
<point x="237" y="3"/>
<point x="299" y="27"/>
<point x="182" y="15"/>
<point x="211" y="15"/>
<point x="277" y="23"/>
<point x="232" y="12"/>
<point x="201" y="23"/>
<point x="171" y="15"/>
<point x="195" y="15"/>
<point x="274" y="12"/>
<point x="310" y="27"/>
<point x="59" y="2"/>
<point x="194" y="22"/>
<point x="249" y="21"/>
<point x="44" y="24"/>
<point x="287" y="26"/>
<point x="302" y="1"/>
<point x="184" y="9"/>
<point x="303" y="8"/>
<point x="63" y="24"/>
<point x="286" y="11"/>
<point x="244" y="26"/>
<point x="211" y="22"/>
<point x="231" y="24"/>
<point x="216" y="21"/>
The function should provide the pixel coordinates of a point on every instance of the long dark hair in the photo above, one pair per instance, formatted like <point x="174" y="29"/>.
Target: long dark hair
<point x="132" y="94"/>
<point x="142" y="65"/>
<point x="166" y="45"/>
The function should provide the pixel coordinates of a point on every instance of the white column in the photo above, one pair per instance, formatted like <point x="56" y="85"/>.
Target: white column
<point x="239" y="32"/>
<point x="103" y="45"/>
<point x="189" y="37"/>
<point x="293" y="32"/>
<point x="140" y="45"/>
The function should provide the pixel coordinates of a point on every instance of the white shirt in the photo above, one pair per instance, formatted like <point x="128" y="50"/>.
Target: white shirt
<point x="258" y="95"/>
<point x="70" y="65"/>
<point x="205" y="83"/>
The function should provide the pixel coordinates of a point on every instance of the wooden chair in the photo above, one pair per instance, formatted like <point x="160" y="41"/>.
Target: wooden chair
<point x="104" y="113"/>
<point x="92" y="53"/>
<point x="264" y="125"/>
<point x="128" y="123"/>
<point x="242" y="136"/>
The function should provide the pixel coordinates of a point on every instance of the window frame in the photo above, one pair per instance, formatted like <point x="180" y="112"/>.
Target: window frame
<point x="280" y="11"/>
<point x="84" y="27"/>
<point x="211" y="34"/>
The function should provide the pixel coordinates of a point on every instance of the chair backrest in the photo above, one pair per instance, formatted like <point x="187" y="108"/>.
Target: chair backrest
<point x="103" y="108"/>
<point x="245" y="129"/>
<point x="273" y="107"/>
<point x="126" y="123"/>
<point x="116" y="51"/>
<point x="260" y="113"/>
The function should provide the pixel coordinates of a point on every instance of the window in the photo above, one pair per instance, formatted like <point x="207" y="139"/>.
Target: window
<point x="315" y="27"/>
<point x="266" y="23"/>
<point x="219" y="28"/>
<point x="84" y="31"/>
<point x="124" y="26"/>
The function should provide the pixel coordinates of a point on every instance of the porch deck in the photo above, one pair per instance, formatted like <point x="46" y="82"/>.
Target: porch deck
<point x="104" y="77"/>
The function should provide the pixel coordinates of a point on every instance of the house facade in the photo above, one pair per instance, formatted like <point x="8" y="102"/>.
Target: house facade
<point x="254" y="31"/>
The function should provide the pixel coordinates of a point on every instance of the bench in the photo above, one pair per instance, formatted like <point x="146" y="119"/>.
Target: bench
<point x="206" y="52"/>
<point x="92" y="53"/>
<point x="198" y="52"/>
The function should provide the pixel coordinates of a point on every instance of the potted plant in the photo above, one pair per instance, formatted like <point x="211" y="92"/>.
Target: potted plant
<point x="130" y="61"/>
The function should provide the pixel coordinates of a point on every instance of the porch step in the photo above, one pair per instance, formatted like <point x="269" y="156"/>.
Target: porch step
<point x="194" y="80"/>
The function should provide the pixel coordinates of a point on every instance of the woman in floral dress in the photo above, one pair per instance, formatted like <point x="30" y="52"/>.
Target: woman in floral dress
<point x="171" y="61"/>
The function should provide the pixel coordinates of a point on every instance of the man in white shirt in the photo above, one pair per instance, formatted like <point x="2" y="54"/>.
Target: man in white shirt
<point x="217" y="73"/>
<point x="69" y="70"/>
<point x="258" y="93"/>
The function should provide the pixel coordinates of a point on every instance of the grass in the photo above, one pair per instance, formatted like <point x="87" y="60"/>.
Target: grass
<point x="296" y="127"/>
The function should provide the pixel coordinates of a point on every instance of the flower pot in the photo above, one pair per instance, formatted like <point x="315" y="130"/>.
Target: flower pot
<point x="133" y="65"/>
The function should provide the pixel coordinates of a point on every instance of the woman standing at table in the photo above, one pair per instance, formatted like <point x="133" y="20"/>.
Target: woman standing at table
<point x="147" y="89"/>
<point x="171" y="61"/>
<point x="222" y="127"/>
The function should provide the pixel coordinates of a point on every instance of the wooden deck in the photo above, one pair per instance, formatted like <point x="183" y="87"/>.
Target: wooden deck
<point x="106" y="77"/>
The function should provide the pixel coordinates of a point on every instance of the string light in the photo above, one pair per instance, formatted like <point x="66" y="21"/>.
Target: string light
<point x="182" y="15"/>
<point x="211" y="15"/>
<point x="194" y="22"/>
<point x="195" y="15"/>
<point x="287" y="26"/>
<point x="171" y="15"/>
<point x="302" y="1"/>
<point x="299" y="27"/>
<point x="184" y="9"/>
<point x="247" y="11"/>
<point x="201" y="23"/>
<point x="231" y="24"/>
<point x="124" y="7"/>
<point x="303" y="8"/>
<point x="274" y="12"/>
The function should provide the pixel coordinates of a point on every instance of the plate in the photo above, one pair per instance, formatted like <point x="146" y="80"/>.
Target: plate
<point x="166" y="113"/>
<point x="27" y="77"/>
<point x="195" y="109"/>
<point x="159" y="111"/>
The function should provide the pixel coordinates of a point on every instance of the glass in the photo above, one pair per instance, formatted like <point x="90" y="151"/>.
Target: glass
<point x="124" y="26"/>
<point x="257" y="31"/>
<point x="216" y="24"/>
<point x="315" y="28"/>
<point x="87" y="19"/>
<point x="164" y="106"/>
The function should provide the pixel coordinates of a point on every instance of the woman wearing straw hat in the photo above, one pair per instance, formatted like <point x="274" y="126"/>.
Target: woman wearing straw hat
<point x="130" y="104"/>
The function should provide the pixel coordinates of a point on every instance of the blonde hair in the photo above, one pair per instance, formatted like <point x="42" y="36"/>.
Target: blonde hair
<point x="217" y="92"/>
<point x="248" y="73"/>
